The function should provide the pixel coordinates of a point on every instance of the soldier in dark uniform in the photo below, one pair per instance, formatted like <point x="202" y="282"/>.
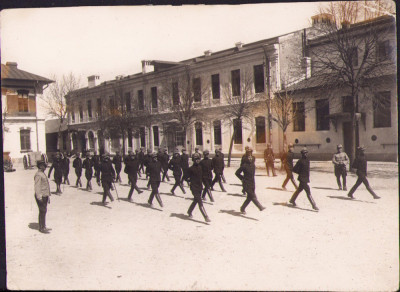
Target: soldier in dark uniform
<point x="287" y="159"/>
<point x="77" y="164"/>
<point x="58" y="171"/>
<point x="269" y="158"/>
<point x="340" y="160"/>
<point x="88" y="166"/>
<point x="302" y="168"/>
<point x="132" y="169"/>
<point x="107" y="177"/>
<point x="360" y="163"/>
<point x="96" y="164"/>
<point x="154" y="172"/>
<point x="248" y="168"/>
<point x="184" y="163"/>
<point x="196" y="151"/>
<point x="117" y="161"/>
<point x="194" y="177"/>
<point x="175" y="165"/>
<point x="218" y="166"/>
<point x="247" y="157"/>
<point x="137" y="158"/>
<point x="223" y="159"/>
<point x="164" y="164"/>
<point x="140" y="158"/>
<point x="65" y="164"/>
<point x="146" y="160"/>
<point x="206" y="167"/>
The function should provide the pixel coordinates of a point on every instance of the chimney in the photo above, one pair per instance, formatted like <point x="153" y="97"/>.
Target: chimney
<point x="207" y="53"/>
<point x="93" y="81"/>
<point x="307" y="66"/>
<point x="239" y="45"/>
<point x="12" y="64"/>
<point x="147" y="66"/>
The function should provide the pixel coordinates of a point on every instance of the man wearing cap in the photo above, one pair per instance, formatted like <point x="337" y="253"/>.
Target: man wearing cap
<point x="360" y="163"/>
<point x="302" y="168"/>
<point x="287" y="159"/>
<point x="164" y="164"/>
<point x="132" y="168"/>
<point x="107" y="173"/>
<point x="206" y="169"/>
<point x="117" y="161"/>
<point x="175" y="165"/>
<point x="146" y="160"/>
<point x="42" y="194"/>
<point x="269" y="158"/>
<point x="248" y="156"/>
<point x="340" y="161"/>
<point x="65" y="165"/>
<point x="194" y="177"/>
<point x="196" y="150"/>
<point x="58" y="171"/>
<point x="88" y="166"/>
<point x="217" y="165"/>
<point x="77" y="164"/>
<point x="248" y="168"/>
<point x="153" y="170"/>
<point x="184" y="163"/>
<point x="140" y="158"/>
<point x="96" y="159"/>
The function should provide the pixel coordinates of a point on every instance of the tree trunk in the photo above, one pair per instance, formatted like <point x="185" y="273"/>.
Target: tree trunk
<point x="123" y="144"/>
<point x="230" y="147"/>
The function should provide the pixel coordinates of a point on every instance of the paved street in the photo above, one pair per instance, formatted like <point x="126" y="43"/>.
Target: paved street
<point x="348" y="245"/>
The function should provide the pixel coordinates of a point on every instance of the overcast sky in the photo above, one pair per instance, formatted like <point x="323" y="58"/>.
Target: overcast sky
<point x="111" y="41"/>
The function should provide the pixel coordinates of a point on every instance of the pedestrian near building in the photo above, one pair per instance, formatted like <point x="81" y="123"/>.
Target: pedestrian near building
<point x="247" y="157"/>
<point x="42" y="194"/>
<point x="88" y="166"/>
<point x="107" y="174"/>
<point x="175" y="165"/>
<point x="146" y="160"/>
<point x="164" y="164"/>
<point x="287" y="160"/>
<point x="218" y="166"/>
<point x="137" y="158"/>
<point x="302" y="168"/>
<point x="154" y="172"/>
<point x="77" y="164"/>
<point x="206" y="167"/>
<point x="96" y="159"/>
<point x="223" y="168"/>
<point x="65" y="163"/>
<point x="184" y="163"/>
<point x="57" y="165"/>
<point x="269" y="159"/>
<point x="340" y="161"/>
<point x="360" y="163"/>
<point x="140" y="157"/>
<point x="132" y="168"/>
<point x="117" y="161"/>
<point x="194" y="177"/>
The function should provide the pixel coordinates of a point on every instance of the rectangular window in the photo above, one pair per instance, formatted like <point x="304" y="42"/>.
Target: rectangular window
<point x="347" y="104"/>
<point x="197" y="89"/>
<point x="259" y="78"/>
<point x="382" y="112"/>
<point x="154" y="101"/>
<point x="140" y="100"/>
<point x="322" y="111"/>
<point x="156" y="137"/>
<point x="25" y="136"/>
<point x="299" y="118"/>
<point x="99" y="107"/>
<point x="72" y="113"/>
<point x="128" y="101"/>
<point x="260" y="130"/>
<point x="89" y="108"/>
<point x="23" y="102"/>
<point x="142" y="134"/>
<point x="237" y="127"/>
<point x="235" y="79"/>
<point x="80" y="113"/>
<point x="199" y="133"/>
<point x="354" y="56"/>
<point x="215" y="86"/>
<point x="130" y="138"/>
<point x="383" y="50"/>
<point x="175" y="93"/>
<point x="180" y="137"/>
<point x="217" y="133"/>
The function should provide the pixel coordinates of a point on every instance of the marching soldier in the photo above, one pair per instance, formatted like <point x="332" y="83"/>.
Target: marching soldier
<point x="107" y="177"/>
<point x="175" y="165"/>
<point x="137" y="157"/>
<point x="117" y="161"/>
<point x="206" y="167"/>
<point x="196" y="151"/>
<point x="154" y="172"/>
<point x="146" y="160"/>
<point x="194" y="177"/>
<point x="132" y="169"/>
<point x="140" y="157"/>
<point x="247" y="157"/>
<point x="269" y="158"/>
<point x="302" y="168"/>
<point x="58" y="171"/>
<point x="164" y="159"/>
<point x="184" y="163"/>
<point x="223" y="159"/>
<point x="96" y="159"/>
<point x="77" y="164"/>
<point x="287" y="159"/>
<point x="218" y="166"/>
<point x="42" y="195"/>
<point x="248" y="168"/>
<point x="65" y="163"/>
<point x="88" y="166"/>
<point x="340" y="160"/>
<point x="360" y="163"/>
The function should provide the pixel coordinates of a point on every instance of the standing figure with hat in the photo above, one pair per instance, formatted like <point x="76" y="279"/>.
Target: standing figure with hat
<point x="88" y="166"/>
<point x="175" y="165"/>
<point x="96" y="159"/>
<point x="269" y="158"/>
<point x="140" y="158"/>
<point x="206" y="167"/>
<point x="107" y="174"/>
<point x="42" y="194"/>
<point x="153" y="170"/>
<point x="117" y="161"/>
<point x="77" y="164"/>
<point x="194" y="177"/>
<point x="132" y="169"/>
<point x="287" y="161"/>
<point x="184" y="163"/>
<point x="196" y="151"/>
<point x="218" y="166"/>
<point x="65" y="163"/>
<point x="340" y="161"/>
<point x="164" y="164"/>
<point x="302" y="168"/>
<point x="248" y="168"/>
<point x="58" y="171"/>
<point x="360" y="163"/>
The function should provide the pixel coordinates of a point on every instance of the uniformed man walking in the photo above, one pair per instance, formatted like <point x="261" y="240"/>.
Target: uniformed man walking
<point x="140" y="157"/>
<point x="287" y="159"/>
<point x="146" y="160"/>
<point x="223" y="159"/>
<point x="137" y="158"/>
<point x="206" y="167"/>
<point x="65" y="163"/>
<point x="42" y="194"/>
<point x="88" y="166"/>
<point x="302" y="168"/>
<point x="360" y="163"/>
<point x="247" y="157"/>
<point x="340" y="161"/>
<point x="96" y="159"/>
<point x="58" y="171"/>
<point x="175" y="165"/>
<point x="154" y="172"/>
<point x="164" y="164"/>
<point x="77" y="164"/>
<point x="107" y="173"/>
<point x="218" y="166"/>
<point x="269" y="158"/>
<point x="184" y="163"/>
<point x="196" y="151"/>
<point x="117" y="161"/>
<point x="132" y="168"/>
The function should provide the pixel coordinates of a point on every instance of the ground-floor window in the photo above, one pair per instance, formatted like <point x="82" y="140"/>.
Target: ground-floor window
<point x="142" y="135"/>
<point x="237" y="128"/>
<point x="180" y="137"/>
<point x="156" y="136"/>
<point x="199" y="133"/>
<point x="25" y="136"/>
<point x="260" y="130"/>
<point x="217" y="133"/>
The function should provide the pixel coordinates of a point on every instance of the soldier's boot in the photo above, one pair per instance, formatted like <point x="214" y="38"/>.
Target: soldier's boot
<point x="221" y="186"/>
<point x="338" y="182"/>
<point x="203" y="195"/>
<point x="191" y="208"/>
<point x="90" y="185"/>
<point x="183" y="190"/>
<point x="87" y="186"/>
<point x="130" y="194"/>
<point x="77" y="182"/>
<point x="294" y="197"/>
<point x="344" y="183"/>
<point x="313" y="205"/>
<point x="80" y="183"/>
<point x="210" y="195"/>
<point x="375" y="196"/>
<point x="258" y="204"/>
<point x="203" y="212"/>
<point x="173" y="189"/>
<point x="158" y="198"/>
<point x="139" y="174"/>
<point x="223" y="178"/>
<point x="110" y="196"/>
<point x="58" y="189"/>
<point x="138" y="190"/>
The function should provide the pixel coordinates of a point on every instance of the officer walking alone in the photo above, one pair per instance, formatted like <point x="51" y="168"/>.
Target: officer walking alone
<point x="58" y="171"/>
<point x="42" y="195"/>
<point x="340" y="161"/>
<point x="65" y="163"/>
<point x="287" y="160"/>
<point x="77" y="164"/>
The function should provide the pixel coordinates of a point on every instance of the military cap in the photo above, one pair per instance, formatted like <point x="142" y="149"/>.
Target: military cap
<point x="183" y="149"/>
<point x="195" y="156"/>
<point x="304" y="150"/>
<point x="205" y="152"/>
<point x="248" y="149"/>
<point x="40" y="162"/>
<point x="339" y="146"/>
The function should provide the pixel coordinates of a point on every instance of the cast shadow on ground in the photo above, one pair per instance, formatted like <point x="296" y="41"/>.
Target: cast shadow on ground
<point x="278" y="189"/>
<point x="236" y="185"/>
<point x="261" y="175"/>
<point x="146" y="205"/>
<point x="171" y="195"/>
<point x="349" y="199"/>
<point x="324" y="188"/>
<point x="293" y="207"/>
<point x="100" y="204"/>
<point x="236" y="195"/>
<point x="34" y="226"/>
<point x="55" y="193"/>
<point x="237" y="214"/>
<point x="186" y="217"/>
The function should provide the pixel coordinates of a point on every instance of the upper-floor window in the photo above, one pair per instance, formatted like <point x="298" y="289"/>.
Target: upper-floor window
<point x="154" y="100"/>
<point x="259" y="78"/>
<point x="99" y="107"/>
<point x="140" y="100"/>
<point x="235" y="80"/>
<point x="217" y="133"/>
<point x="383" y="50"/>
<point x="354" y="56"/>
<point x="260" y="130"/>
<point x="25" y="137"/>
<point x="23" y="101"/>
<point x="215" y="87"/>
<point x="128" y="101"/>
<point x="322" y="111"/>
<point x="175" y="93"/>
<point x="89" y="108"/>
<point x="347" y="104"/>
<point x="382" y="110"/>
<point x="197" y="89"/>
<point x="80" y="113"/>
<point x="299" y="117"/>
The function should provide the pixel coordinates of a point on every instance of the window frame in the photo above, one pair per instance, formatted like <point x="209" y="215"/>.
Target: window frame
<point x="259" y="79"/>
<point x="217" y="128"/>
<point x="156" y="136"/>
<point x="321" y="111"/>
<point x="215" y="87"/>
<point x="196" y="87"/>
<point x="154" y="97"/>
<point x="140" y="99"/>
<point x="199" y="133"/>
<point x="235" y="82"/>
<point x="25" y="139"/>
<point x="299" y="127"/>
<point x="238" y="139"/>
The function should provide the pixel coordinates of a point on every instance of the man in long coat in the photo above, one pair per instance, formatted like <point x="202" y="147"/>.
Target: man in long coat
<point x="65" y="163"/>
<point x="117" y="161"/>
<point x="184" y="163"/>
<point x="88" y="166"/>
<point x="107" y="174"/>
<point x="154" y="172"/>
<point x="58" y="171"/>
<point x="206" y="167"/>
<point x="77" y="164"/>
<point x="131" y="168"/>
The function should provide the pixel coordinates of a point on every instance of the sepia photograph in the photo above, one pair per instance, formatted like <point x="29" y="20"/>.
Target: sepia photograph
<point x="201" y="147"/>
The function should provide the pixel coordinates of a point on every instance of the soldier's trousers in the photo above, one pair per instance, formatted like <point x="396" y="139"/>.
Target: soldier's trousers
<point x="178" y="183"/>
<point x="303" y="186"/>
<point x="184" y="171"/>
<point x="133" y="181"/>
<point x="340" y="172"/>
<point x="107" y="193"/>
<point x="42" y="211"/>
<point x="207" y="189"/>
<point x="360" y="180"/>
<point x="289" y="176"/>
<point x="251" y="197"/>
<point x="118" y="171"/>
<point x="197" y="200"/>
<point x="78" y="177"/>
<point x="270" y="165"/>
<point x="218" y="178"/>
<point x="154" y="193"/>
<point x="141" y="167"/>
<point x="165" y="174"/>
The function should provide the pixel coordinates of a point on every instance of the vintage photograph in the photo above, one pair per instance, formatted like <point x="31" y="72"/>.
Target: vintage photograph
<point x="201" y="147"/>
